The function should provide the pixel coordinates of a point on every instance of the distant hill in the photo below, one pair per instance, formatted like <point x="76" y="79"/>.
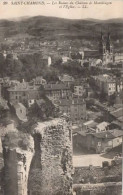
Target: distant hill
<point x="113" y="20"/>
<point x="57" y="28"/>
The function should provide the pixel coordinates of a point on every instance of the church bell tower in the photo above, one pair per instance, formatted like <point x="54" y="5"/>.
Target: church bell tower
<point x="102" y="47"/>
<point x="109" y="46"/>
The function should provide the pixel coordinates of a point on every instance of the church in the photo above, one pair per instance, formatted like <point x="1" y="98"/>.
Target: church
<point x="103" y="55"/>
<point x="106" y="53"/>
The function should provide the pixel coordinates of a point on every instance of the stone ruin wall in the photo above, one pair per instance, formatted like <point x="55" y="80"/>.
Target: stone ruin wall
<point x="55" y="163"/>
<point x="44" y="170"/>
<point x="16" y="169"/>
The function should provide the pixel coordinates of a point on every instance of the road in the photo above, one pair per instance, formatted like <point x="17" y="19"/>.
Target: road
<point x="91" y="159"/>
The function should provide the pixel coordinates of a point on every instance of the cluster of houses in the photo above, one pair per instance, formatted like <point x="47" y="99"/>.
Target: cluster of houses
<point x="71" y="96"/>
<point x="99" y="142"/>
<point x="102" y="132"/>
<point x="66" y="94"/>
<point x="102" y="129"/>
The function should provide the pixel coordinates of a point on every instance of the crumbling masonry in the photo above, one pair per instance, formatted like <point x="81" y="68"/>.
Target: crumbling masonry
<point x="44" y="165"/>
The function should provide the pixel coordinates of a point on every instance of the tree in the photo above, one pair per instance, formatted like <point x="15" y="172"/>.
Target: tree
<point x="41" y="92"/>
<point x="4" y="120"/>
<point x="50" y="74"/>
<point x="112" y="99"/>
<point x="2" y="111"/>
<point x="2" y="66"/>
<point x="40" y="111"/>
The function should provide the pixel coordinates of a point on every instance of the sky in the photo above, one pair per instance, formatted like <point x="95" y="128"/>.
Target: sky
<point x="115" y="10"/>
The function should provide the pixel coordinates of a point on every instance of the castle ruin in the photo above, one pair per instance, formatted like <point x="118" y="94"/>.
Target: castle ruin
<point x="40" y="164"/>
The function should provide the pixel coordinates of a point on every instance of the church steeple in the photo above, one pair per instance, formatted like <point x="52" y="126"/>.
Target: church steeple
<point x="102" y="45"/>
<point x="106" y="49"/>
<point x="108" y="43"/>
<point x="102" y="37"/>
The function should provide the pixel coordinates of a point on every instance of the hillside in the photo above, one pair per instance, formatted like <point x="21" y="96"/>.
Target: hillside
<point x="57" y="28"/>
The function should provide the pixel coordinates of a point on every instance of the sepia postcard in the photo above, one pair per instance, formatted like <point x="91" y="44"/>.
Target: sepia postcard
<point x="61" y="97"/>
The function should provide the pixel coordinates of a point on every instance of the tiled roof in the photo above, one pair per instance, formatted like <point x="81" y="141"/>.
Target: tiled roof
<point x="23" y="87"/>
<point x="117" y="112"/>
<point x="116" y="122"/>
<point x="90" y="124"/>
<point x="21" y="116"/>
<point x="109" y="134"/>
<point x="105" y="78"/>
<point x="120" y="118"/>
<point x="102" y="125"/>
<point x="105" y="134"/>
<point x="66" y="78"/>
<point x="19" y="105"/>
<point x="58" y="86"/>
<point x="117" y="133"/>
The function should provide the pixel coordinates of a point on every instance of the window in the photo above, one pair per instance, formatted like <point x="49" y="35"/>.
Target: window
<point x="99" y="143"/>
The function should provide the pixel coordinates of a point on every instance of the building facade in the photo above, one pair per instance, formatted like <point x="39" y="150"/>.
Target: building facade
<point x="57" y="91"/>
<point x="99" y="142"/>
<point x="23" y="93"/>
<point x="118" y="57"/>
<point x="79" y="90"/>
<point x="105" y="84"/>
<point x="75" y="108"/>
